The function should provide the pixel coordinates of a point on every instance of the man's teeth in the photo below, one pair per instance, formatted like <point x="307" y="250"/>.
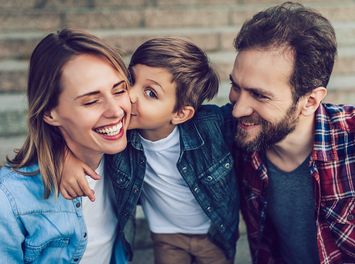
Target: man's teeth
<point x="111" y="131"/>
<point x="249" y="124"/>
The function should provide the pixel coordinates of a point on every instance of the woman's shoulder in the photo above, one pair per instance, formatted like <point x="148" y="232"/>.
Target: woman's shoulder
<point x="15" y="183"/>
<point x="8" y="174"/>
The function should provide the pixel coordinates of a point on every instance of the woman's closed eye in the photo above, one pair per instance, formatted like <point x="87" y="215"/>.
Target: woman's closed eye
<point x="92" y="102"/>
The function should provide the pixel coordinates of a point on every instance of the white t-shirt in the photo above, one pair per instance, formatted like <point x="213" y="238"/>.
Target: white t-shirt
<point x="101" y="220"/>
<point x="167" y="201"/>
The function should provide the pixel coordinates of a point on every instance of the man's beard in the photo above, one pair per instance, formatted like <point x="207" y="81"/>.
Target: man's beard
<point x="270" y="134"/>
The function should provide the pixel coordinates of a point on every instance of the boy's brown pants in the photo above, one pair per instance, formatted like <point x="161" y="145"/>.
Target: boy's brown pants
<point x="186" y="249"/>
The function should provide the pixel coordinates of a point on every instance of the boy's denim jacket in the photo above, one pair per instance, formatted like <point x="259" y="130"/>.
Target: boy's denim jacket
<point x="37" y="230"/>
<point x="205" y="163"/>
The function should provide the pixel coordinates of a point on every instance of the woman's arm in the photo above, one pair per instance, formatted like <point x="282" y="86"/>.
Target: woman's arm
<point x="73" y="182"/>
<point x="11" y="236"/>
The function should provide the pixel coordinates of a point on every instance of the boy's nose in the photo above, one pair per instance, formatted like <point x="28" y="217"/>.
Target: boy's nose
<point x="132" y="95"/>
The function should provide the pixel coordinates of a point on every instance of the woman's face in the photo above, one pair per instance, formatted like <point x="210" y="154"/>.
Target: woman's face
<point x="94" y="107"/>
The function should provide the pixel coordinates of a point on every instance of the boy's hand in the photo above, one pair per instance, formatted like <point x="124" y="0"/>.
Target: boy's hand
<point x="73" y="181"/>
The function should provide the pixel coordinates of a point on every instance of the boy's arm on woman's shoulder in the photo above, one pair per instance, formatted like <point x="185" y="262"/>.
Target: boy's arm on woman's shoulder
<point x="73" y="181"/>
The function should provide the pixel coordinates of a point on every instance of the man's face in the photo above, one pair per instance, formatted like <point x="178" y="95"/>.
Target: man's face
<point x="262" y="98"/>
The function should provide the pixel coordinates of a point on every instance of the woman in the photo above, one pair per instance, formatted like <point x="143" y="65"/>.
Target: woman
<point x="77" y="95"/>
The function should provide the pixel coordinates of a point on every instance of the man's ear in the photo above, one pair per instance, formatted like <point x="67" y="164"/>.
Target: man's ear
<point x="50" y="118"/>
<point x="183" y="115"/>
<point x="313" y="100"/>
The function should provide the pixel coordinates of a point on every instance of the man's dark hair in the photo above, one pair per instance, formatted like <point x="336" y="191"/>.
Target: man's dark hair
<point x="304" y="31"/>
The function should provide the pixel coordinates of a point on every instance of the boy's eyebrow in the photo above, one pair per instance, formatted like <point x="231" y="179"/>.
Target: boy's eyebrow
<point x="156" y="83"/>
<point x="97" y="92"/>
<point x="254" y="90"/>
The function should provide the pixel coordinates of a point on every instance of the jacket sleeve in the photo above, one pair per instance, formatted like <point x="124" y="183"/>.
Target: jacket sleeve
<point x="11" y="235"/>
<point x="229" y="123"/>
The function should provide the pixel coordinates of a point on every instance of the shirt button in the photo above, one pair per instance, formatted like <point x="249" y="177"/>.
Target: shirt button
<point x="142" y="161"/>
<point x="196" y="190"/>
<point x="222" y="227"/>
<point x="209" y="178"/>
<point x="227" y="165"/>
<point x="76" y="259"/>
<point x="126" y="214"/>
<point x="85" y="235"/>
<point x="78" y="205"/>
<point x="136" y="190"/>
<point x="119" y="181"/>
<point x="351" y="217"/>
<point x="184" y="169"/>
<point x="209" y="209"/>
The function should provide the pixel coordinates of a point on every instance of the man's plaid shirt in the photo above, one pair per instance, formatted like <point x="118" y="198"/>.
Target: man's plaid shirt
<point x="332" y="165"/>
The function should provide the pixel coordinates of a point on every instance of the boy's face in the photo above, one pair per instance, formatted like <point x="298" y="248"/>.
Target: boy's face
<point x="153" y="99"/>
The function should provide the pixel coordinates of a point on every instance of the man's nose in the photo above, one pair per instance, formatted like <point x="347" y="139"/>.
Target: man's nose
<point x="242" y="105"/>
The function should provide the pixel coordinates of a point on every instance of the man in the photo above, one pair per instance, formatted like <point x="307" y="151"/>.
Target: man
<point x="298" y="159"/>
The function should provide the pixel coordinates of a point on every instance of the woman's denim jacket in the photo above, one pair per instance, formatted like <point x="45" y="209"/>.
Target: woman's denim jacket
<point x="205" y="163"/>
<point x="36" y="230"/>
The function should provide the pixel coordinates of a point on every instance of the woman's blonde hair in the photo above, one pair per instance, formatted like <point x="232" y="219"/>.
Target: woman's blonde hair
<point x="44" y="142"/>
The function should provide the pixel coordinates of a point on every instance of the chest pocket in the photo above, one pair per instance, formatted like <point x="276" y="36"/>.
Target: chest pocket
<point x="120" y="180"/>
<point x="54" y="248"/>
<point x="220" y="178"/>
<point x="340" y="217"/>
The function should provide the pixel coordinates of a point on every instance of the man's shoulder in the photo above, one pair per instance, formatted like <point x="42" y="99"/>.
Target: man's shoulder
<point x="341" y="117"/>
<point x="334" y="138"/>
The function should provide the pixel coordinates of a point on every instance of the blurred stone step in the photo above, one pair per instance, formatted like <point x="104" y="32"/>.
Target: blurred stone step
<point x="13" y="115"/>
<point x="21" y="44"/>
<point x="8" y="144"/>
<point x="150" y="17"/>
<point x="13" y="73"/>
<point x="60" y="4"/>
<point x="65" y="4"/>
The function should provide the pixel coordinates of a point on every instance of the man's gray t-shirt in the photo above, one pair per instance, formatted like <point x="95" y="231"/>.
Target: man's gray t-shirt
<point x="292" y="210"/>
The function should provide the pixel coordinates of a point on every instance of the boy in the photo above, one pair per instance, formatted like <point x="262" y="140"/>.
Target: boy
<point x="178" y="159"/>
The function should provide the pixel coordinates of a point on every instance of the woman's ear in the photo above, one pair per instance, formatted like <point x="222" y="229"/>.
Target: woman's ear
<point x="183" y="115"/>
<point x="313" y="100"/>
<point x="50" y="118"/>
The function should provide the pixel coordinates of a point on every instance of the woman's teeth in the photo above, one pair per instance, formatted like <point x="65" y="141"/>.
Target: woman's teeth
<point x="110" y="131"/>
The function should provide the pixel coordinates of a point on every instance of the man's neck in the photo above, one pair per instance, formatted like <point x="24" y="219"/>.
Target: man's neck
<point x="290" y="153"/>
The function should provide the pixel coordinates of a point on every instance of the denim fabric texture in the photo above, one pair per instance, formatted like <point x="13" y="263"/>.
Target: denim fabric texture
<point x="36" y="230"/>
<point x="205" y="163"/>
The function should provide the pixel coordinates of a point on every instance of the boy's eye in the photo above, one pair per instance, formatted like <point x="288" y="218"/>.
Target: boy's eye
<point x="151" y="94"/>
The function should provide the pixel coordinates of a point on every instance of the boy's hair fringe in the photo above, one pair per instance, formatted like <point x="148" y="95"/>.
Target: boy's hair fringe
<point x="189" y="66"/>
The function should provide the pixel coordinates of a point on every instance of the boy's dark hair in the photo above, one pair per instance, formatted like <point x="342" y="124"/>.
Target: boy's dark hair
<point x="189" y="66"/>
<point x="306" y="32"/>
